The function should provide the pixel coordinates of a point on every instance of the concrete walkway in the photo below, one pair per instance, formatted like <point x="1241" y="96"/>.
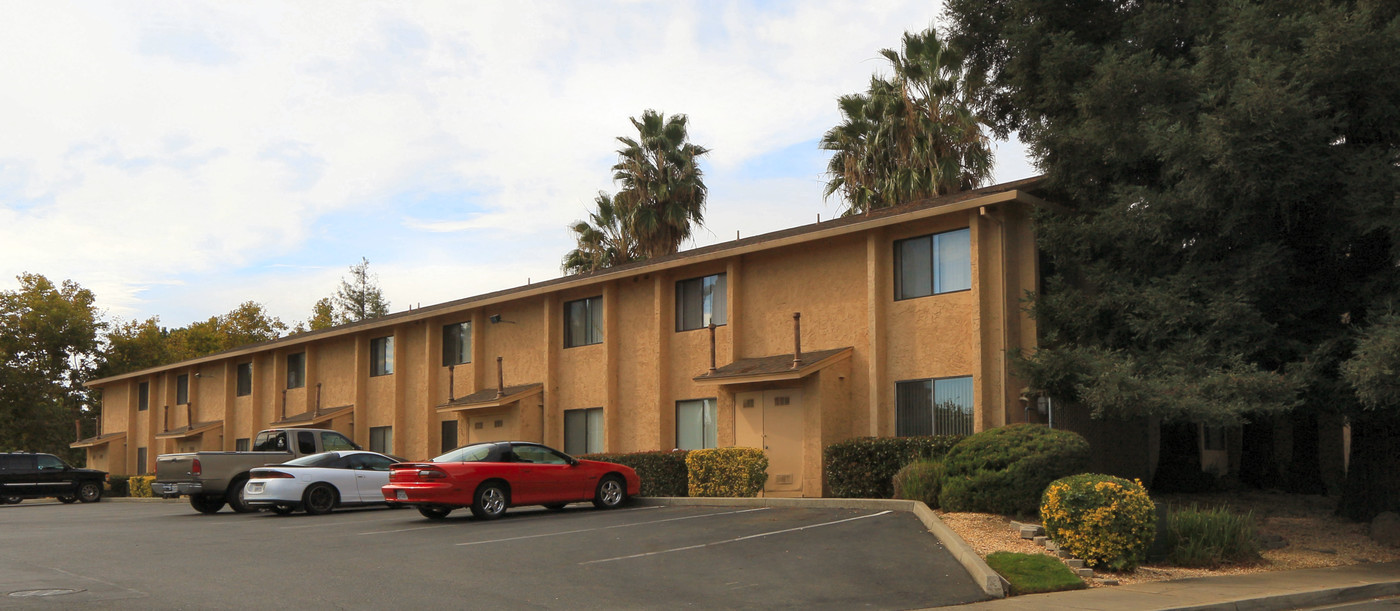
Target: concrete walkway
<point x="1255" y="591"/>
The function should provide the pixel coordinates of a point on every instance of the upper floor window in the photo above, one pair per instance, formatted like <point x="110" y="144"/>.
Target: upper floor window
<point x="182" y="389"/>
<point x="701" y="301"/>
<point x="245" y="379"/>
<point x="296" y="370"/>
<point x="934" y="407"/>
<point x="456" y="343"/>
<point x="932" y="264"/>
<point x="381" y="356"/>
<point x="583" y="322"/>
<point x="143" y="396"/>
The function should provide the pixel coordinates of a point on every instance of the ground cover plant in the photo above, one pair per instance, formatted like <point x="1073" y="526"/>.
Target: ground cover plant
<point x="1034" y="573"/>
<point x="1209" y="537"/>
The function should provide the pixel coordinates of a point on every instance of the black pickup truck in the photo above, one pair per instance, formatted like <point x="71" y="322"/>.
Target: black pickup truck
<point x="28" y="475"/>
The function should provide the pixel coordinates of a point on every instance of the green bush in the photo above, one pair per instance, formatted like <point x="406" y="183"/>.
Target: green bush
<point x="663" y="473"/>
<point x="727" y="471"/>
<point x="1210" y="537"/>
<point x="1004" y="470"/>
<point x="1105" y="520"/>
<point x="117" y="486"/>
<point x="919" y="481"/>
<point x="864" y="468"/>
<point x="140" y="485"/>
<point x="1034" y="573"/>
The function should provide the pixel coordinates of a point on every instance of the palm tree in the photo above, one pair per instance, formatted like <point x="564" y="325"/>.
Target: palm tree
<point x="662" y="185"/>
<point x="910" y="136"/>
<point x="605" y="240"/>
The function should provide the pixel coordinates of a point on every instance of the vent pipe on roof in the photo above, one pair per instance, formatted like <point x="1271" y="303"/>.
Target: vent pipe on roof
<point x="796" y="340"/>
<point x="500" y="378"/>
<point x="712" y="348"/>
<point x="451" y="383"/>
<point x="318" y="399"/>
<point x="78" y="428"/>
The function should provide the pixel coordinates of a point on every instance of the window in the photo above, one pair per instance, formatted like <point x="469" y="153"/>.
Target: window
<point x="934" y="407"/>
<point x="49" y="462"/>
<point x="306" y="442"/>
<point x="583" y="431"/>
<point x="539" y="455"/>
<point x="449" y="435"/>
<point x="141" y="460"/>
<point x="695" y="424"/>
<point x="1214" y="438"/>
<point x="332" y="442"/>
<point x="270" y="441"/>
<point x="933" y="264"/>
<point x="701" y="301"/>
<point x="381" y="356"/>
<point x="143" y="396"/>
<point x="381" y="439"/>
<point x="296" y="370"/>
<point x="456" y="343"/>
<point x="240" y="444"/>
<point x="182" y="389"/>
<point x="369" y="462"/>
<point x="245" y="379"/>
<point x="583" y="322"/>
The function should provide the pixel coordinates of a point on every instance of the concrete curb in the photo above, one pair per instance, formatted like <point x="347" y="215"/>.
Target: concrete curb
<point x="1301" y="600"/>
<point x="990" y="581"/>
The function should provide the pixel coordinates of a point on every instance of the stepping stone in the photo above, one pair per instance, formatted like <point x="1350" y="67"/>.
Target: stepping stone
<point x="1064" y="553"/>
<point x="1108" y="582"/>
<point x="1074" y="563"/>
<point x="1041" y="540"/>
<point x="1029" y="532"/>
<point x="1085" y="573"/>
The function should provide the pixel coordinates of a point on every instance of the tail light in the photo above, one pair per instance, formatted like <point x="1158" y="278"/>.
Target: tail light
<point x="195" y="469"/>
<point x="415" y="473"/>
<point x="269" y="474"/>
<point x="431" y="473"/>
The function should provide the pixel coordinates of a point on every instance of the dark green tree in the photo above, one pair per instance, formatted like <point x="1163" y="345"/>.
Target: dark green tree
<point x="662" y="188"/>
<point x="1230" y="169"/>
<point x="359" y="297"/>
<point x="133" y="346"/>
<point x="606" y="239"/>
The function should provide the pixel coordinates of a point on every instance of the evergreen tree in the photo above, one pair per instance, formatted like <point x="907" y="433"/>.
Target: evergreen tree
<point x="359" y="297"/>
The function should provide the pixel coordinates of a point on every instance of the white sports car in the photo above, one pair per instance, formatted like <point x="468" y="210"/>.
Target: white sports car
<point x="320" y="482"/>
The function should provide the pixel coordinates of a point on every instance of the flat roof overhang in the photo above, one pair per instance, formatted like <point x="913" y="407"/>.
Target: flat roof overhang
<point x="315" y="416"/>
<point x="198" y="428"/>
<point x="92" y="442"/>
<point x="491" y="397"/>
<point x="776" y="368"/>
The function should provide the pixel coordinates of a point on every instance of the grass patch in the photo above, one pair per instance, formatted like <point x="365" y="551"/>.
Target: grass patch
<point x="1210" y="537"/>
<point x="1034" y="573"/>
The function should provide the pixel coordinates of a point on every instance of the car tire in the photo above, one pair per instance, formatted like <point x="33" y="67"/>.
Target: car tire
<point x="555" y="506"/>
<point x="89" y="492"/>
<point x="67" y="498"/>
<point x="234" y="496"/>
<point x="434" y="513"/>
<point x="11" y="500"/>
<point x="282" y="510"/>
<point x="611" y="493"/>
<point x="319" y="499"/>
<point x="490" y="501"/>
<point x="206" y="503"/>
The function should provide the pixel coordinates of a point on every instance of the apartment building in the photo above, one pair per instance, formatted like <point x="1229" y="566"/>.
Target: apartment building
<point x="892" y="323"/>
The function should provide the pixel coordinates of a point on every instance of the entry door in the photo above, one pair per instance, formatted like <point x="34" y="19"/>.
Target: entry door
<point x="772" y="420"/>
<point x="498" y="427"/>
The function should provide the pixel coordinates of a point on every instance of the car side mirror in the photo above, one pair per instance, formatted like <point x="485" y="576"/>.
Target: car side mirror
<point x="573" y="462"/>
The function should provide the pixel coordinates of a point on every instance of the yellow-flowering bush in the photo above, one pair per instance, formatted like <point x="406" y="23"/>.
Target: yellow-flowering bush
<point x="140" y="485"/>
<point x="1105" y="520"/>
<point x="726" y="471"/>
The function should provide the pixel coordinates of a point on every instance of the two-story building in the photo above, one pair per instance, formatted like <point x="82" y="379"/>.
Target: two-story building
<point x="897" y="322"/>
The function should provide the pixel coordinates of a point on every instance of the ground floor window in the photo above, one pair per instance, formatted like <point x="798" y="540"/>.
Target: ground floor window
<point x="449" y="435"/>
<point x="695" y="424"/>
<point x="141" y="461"/>
<point x="934" y="407"/>
<point x="240" y="445"/>
<point x="381" y="439"/>
<point x="583" y="430"/>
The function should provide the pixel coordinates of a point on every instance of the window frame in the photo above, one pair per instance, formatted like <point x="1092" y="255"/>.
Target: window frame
<point x="143" y="396"/>
<point x="589" y="440"/>
<point x="592" y="329"/>
<point x="242" y="444"/>
<point x="719" y="304"/>
<point x="971" y="415"/>
<point x="381" y="356"/>
<point x="245" y="379"/>
<point x="141" y="455"/>
<point x="709" y="436"/>
<point x="443" y="427"/>
<point x="182" y="389"/>
<point x="461" y="343"/>
<point x="897" y="264"/>
<point x="299" y="379"/>
<point x="386" y="439"/>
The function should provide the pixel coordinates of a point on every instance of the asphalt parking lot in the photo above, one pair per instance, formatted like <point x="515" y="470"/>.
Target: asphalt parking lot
<point x="163" y="555"/>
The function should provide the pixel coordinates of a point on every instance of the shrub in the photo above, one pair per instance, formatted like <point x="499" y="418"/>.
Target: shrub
<point x="140" y="485"/>
<point x="863" y="468"/>
<point x="1209" y="538"/>
<point x="1034" y="573"/>
<point x="1103" y="519"/>
<point x="727" y="471"/>
<point x="117" y="485"/>
<point x="663" y="473"/>
<point x="918" y="481"/>
<point x="1004" y="470"/>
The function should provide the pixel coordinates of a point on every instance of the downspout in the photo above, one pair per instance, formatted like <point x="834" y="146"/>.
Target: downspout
<point x="1005" y="322"/>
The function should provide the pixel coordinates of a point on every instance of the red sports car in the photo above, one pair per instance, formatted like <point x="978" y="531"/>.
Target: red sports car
<point x="489" y="477"/>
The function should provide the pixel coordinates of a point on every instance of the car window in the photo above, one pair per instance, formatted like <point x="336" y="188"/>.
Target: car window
<point x="271" y="442"/>
<point x="539" y="455"/>
<point x="335" y="441"/>
<point x="480" y="452"/>
<point x="375" y="462"/>
<point x="16" y="462"/>
<point x="306" y="442"/>
<point x="50" y="463"/>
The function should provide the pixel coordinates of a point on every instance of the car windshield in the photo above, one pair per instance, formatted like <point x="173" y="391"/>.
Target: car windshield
<point x="472" y="453"/>
<point x="315" y="460"/>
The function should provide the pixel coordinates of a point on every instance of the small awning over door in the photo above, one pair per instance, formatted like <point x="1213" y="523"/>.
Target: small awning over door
<point x="491" y="397"/>
<point x="92" y="442"/>
<point x="197" y="428"/>
<point x="774" y="368"/>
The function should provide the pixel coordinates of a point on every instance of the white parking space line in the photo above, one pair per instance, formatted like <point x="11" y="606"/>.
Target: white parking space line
<point x="584" y="530"/>
<point x="734" y="540"/>
<point x="404" y="530"/>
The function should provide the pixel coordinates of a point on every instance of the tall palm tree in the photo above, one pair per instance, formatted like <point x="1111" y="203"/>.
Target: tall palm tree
<point x="910" y="136"/>
<point x="661" y="183"/>
<point x="605" y="239"/>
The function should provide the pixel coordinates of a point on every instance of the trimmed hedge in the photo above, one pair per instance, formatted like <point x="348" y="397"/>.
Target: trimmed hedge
<point x="864" y="468"/>
<point x="1004" y="470"/>
<point x="919" y="481"/>
<point x="727" y="471"/>
<point x="140" y="485"/>
<point x="117" y="486"/>
<point x="663" y="473"/>
<point x="1103" y="519"/>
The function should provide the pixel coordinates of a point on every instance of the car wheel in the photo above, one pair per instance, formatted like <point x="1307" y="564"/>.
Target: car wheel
<point x="612" y="492"/>
<point x="206" y="503"/>
<point x="491" y="501"/>
<point x="235" y="498"/>
<point x="90" y="492"/>
<point x="282" y="510"/>
<point x="11" y="500"/>
<point x="434" y="513"/>
<point x="67" y="498"/>
<point x="555" y="506"/>
<point x="319" y="499"/>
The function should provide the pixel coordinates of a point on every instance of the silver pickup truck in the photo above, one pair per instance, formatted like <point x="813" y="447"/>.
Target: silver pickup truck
<point x="211" y="479"/>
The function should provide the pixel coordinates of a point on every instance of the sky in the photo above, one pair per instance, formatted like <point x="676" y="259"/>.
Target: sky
<point x="181" y="158"/>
